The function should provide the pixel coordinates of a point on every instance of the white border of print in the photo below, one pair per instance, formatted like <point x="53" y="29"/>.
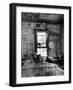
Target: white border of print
<point x="65" y="77"/>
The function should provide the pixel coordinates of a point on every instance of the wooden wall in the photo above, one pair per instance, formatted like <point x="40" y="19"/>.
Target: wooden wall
<point x="55" y="30"/>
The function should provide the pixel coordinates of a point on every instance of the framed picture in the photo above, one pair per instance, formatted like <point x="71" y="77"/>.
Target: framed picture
<point x="40" y="44"/>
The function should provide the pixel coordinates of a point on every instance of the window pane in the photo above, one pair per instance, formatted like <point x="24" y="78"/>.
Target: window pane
<point x="41" y="37"/>
<point x="41" y="44"/>
<point x="42" y="51"/>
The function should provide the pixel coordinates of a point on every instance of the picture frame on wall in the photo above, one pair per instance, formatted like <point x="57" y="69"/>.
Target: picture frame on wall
<point x="40" y="44"/>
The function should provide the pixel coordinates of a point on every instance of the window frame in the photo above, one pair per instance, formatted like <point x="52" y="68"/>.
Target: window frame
<point x="35" y="39"/>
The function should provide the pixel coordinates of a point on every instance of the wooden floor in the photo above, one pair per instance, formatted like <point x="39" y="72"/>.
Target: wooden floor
<point x="41" y="69"/>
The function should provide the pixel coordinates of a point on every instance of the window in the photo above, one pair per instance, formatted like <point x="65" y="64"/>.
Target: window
<point x="41" y="43"/>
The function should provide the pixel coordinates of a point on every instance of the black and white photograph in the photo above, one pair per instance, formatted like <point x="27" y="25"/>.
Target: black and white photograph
<point x="40" y="44"/>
